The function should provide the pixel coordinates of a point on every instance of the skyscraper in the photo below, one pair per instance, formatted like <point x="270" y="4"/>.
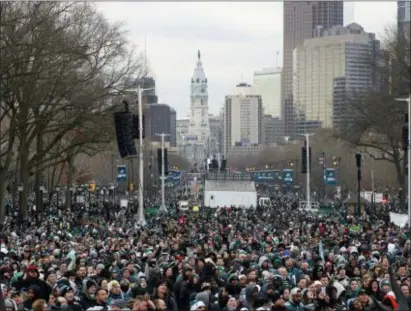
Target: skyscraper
<point x="267" y="83"/>
<point x="243" y="118"/>
<point x="338" y="63"/>
<point x="403" y="16"/>
<point x="301" y="18"/>
<point x="160" y="122"/>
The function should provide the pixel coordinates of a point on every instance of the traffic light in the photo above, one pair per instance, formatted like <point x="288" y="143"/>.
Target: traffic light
<point x="131" y="187"/>
<point x="358" y="163"/>
<point x="358" y="159"/>
<point x="165" y="161"/>
<point x="405" y="142"/>
<point x="304" y="159"/>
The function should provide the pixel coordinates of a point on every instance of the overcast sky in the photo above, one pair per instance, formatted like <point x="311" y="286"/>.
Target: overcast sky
<point x="235" y="39"/>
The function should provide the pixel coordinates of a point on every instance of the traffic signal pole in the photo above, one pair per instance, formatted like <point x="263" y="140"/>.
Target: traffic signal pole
<point x="307" y="182"/>
<point x="163" y="207"/>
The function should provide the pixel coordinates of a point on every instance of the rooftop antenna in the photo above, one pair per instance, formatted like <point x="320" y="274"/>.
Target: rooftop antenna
<point x="278" y="55"/>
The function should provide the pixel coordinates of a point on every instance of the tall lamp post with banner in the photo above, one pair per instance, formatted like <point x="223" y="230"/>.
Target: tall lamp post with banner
<point x="140" y="213"/>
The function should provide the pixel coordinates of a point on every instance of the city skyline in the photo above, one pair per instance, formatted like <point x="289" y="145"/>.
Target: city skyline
<point x="233" y="42"/>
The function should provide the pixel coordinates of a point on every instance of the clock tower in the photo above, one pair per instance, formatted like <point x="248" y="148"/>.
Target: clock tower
<point x="199" y="119"/>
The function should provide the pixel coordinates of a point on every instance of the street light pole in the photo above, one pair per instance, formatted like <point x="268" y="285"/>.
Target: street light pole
<point x="358" y="164"/>
<point x="140" y="214"/>
<point x="408" y="101"/>
<point x="163" y="207"/>
<point x="307" y="185"/>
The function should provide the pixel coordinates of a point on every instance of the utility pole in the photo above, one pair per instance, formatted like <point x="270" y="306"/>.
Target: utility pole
<point x="358" y="162"/>
<point x="307" y="183"/>
<point x="163" y="207"/>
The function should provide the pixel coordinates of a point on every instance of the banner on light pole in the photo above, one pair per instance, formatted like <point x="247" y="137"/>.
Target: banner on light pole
<point x="329" y="176"/>
<point x="288" y="176"/>
<point x="121" y="173"/>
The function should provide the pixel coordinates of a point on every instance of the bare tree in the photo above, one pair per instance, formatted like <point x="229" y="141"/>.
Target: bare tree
<point x="65" y="64"/>
<point x="377" y="118"/>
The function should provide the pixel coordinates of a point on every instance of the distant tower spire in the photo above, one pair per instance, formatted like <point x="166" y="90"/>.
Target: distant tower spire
<point x="199" y="54"/>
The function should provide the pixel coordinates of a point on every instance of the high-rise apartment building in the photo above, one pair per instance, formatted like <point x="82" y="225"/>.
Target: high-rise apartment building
<point x="267" y="83"/>
<point x="404" y="17"/>
<point x="243" y="118"/>
<point x="301" y="18"/>
<point x="340" y="62"/>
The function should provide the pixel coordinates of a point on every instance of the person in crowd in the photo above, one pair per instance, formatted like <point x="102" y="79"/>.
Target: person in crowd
<point x="225" y="259"/>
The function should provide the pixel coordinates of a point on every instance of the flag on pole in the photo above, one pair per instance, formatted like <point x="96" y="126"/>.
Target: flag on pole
<point x="321" y="250"/>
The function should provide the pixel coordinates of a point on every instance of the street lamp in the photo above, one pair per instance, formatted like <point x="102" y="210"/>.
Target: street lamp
<point x="140" y="214"/>
<point x="408" y="101"/>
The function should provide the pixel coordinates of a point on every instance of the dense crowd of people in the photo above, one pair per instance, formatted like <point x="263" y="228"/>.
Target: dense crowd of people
<point x="271" y="258"/>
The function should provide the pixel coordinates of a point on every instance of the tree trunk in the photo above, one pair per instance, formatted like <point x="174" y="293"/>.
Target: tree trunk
<point x="62" y="168"/>
<point x="24" y="179"/>
<point x="2" y="197"/>
<point x="37" y="184"/>
<point x="70" y="174"/>
<point x="53" y="175"/>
